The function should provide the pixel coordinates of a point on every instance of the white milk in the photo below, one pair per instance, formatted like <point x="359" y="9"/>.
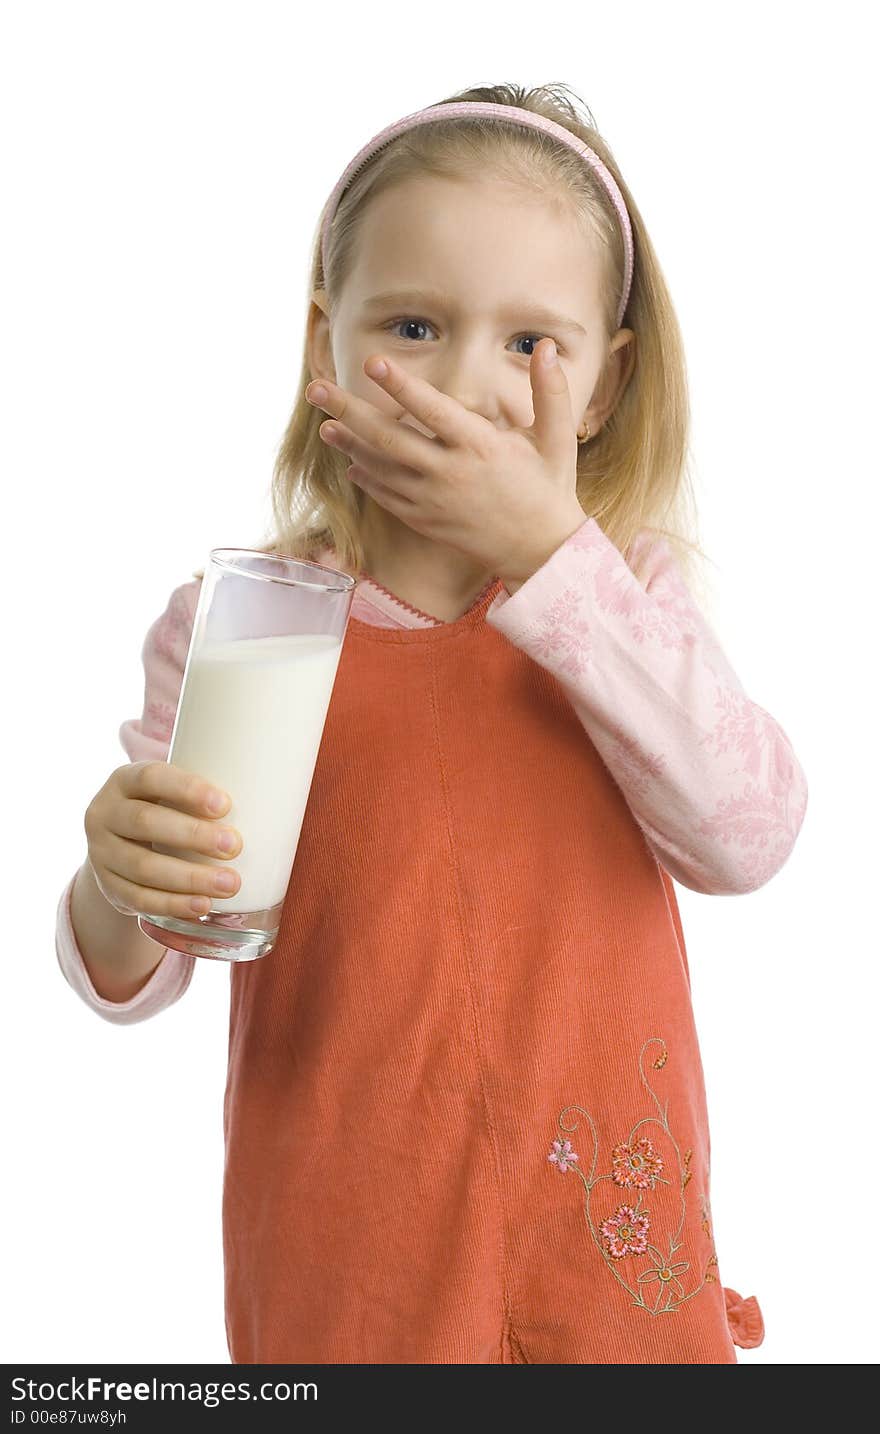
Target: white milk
<point x="250" y="721"/>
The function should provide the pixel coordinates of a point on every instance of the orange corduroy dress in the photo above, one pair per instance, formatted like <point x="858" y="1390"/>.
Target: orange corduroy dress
<point x="465" y="1115"/>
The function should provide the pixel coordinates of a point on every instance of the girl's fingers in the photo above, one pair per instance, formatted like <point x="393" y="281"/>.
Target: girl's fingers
<point x="370" y="462"/>
<point x="155" y="822"/>
<point x="153" y="871"/>
<point x="449" y="420"/>
<point x="163" y="781"/>
<point x="384" y="495"/>
<point x="147" y="901"/>
<point x="398" y="442"/>
<point x="554" y="429"/>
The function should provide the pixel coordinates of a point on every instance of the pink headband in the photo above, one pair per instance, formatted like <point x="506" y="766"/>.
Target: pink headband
<point x="467" y="108"/>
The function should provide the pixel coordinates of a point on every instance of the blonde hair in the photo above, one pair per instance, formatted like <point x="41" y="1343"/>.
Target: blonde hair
<point x="634" y="474"/>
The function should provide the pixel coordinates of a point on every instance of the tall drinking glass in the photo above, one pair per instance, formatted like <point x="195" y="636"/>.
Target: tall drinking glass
<point x="262" y="660"/>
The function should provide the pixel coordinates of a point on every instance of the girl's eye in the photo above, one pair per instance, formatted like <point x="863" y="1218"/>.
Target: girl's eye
<point x="423" y="324"/>
<point x="534" y="339"/>
<point x="410" y="324"/>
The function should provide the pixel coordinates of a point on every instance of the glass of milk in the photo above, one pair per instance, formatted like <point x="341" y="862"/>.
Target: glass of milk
<point x="262" y="660"/>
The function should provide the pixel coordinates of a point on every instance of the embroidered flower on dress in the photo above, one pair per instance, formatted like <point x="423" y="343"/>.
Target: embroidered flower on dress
<point x="562" y="1154"/>
<point x="634" y="1162"/>
<point x="636" y="1165"/>
<point x="668" y="1274"/>
<point x="626" y="1233"/>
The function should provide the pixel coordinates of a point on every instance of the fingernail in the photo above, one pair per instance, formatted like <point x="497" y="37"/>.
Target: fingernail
<point x="550" y="353"/>
<point x="377" y="369"/>
<point x="216" y="802"/>
<point x="317" y="394"/>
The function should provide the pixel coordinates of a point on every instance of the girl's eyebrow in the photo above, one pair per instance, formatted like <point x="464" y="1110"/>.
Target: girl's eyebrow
<point x="534" y="313"/>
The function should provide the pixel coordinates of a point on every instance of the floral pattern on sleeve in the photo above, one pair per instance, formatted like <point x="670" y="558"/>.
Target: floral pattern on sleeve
<point x="710" y="777"/>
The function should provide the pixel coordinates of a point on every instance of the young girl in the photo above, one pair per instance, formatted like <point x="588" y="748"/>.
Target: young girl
<point x="465" y="1116"/>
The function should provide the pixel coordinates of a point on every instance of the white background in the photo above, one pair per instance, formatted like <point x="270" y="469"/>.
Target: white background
<point x="163" y="169"/>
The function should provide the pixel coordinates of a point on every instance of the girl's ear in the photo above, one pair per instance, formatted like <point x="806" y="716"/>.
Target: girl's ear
<point x="613" y="379"/>
<point x="320" y="356"/>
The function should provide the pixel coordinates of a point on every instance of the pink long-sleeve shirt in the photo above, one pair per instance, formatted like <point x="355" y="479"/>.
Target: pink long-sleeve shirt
<point x="710" y="777"/>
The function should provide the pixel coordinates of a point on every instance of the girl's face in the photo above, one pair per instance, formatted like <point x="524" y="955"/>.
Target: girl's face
<point x="457" y="281"/>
